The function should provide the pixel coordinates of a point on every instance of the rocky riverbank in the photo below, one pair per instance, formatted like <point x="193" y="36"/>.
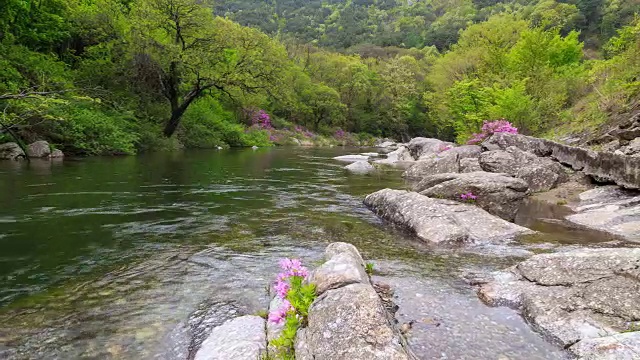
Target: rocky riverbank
<point x="583" y="299"/>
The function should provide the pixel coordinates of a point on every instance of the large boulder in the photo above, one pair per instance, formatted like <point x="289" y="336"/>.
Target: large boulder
<point x="39" y="149"/>
<point x="360" y="167"/>
<point x="540" y="173"/>
<point x="499" y="194"/>
<point x="580" y="296"/>
<point x="242" y="338"/>
<point x="623" y="170"/>
<point x="609" y="209"/>
<point x="445" y="161"/>
<point x="348" y="319"/>
<point x="11" y="151"/>
<point x="441" y="220"/>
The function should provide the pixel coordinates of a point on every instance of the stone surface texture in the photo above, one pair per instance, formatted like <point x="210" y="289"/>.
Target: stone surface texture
<point x="623" y="170"/>
<point x="347" y="320"/>
<point x="441" y="220"/>
<point x="242" y="338"/>
<point x="11" y="151"/>
<point x="609" y="209"/>
<point x="499" y="194"/>
<point x="579" y="299"/>
<point x="39" y="149"/>
<point x="447" y="161"/>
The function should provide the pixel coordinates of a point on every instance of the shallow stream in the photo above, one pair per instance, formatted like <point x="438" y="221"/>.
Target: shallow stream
<point x="137" y="257"/>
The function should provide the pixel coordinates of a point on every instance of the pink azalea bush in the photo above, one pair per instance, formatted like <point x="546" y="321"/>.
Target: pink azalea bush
<point x="491" y="127"/>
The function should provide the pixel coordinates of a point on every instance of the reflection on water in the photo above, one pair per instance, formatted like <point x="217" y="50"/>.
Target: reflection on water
<point x="138" y="257"/>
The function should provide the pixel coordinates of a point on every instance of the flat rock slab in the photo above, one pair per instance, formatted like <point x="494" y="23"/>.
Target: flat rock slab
<point x="499" y="194"/>
<point x="573" y="296"/>
<point x="351" y="158"/>
<point x="616" y="347"/>
<point x="349" y="323"/>
<point x="623" y="170"/>
<point x="609" y="209"/>
<point x="440" y="220"/>
<point x="242" y="338"/>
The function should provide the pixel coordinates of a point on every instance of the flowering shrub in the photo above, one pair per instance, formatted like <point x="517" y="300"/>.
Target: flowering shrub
<point x="296" y="299"/>
<point x="468" y="196"/>
<point x="491" y="127"/>
<point x="339" y="134"/>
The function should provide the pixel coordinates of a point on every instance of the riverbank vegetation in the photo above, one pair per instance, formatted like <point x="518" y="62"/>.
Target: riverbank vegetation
<point x="122" y="76"/>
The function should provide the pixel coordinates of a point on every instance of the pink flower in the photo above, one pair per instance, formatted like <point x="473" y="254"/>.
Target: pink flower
<point x="282" y="287"/>
<point x="280" y="314"/>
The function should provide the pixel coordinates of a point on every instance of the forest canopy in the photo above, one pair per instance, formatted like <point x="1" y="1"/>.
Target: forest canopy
<point x="122" y="76"/>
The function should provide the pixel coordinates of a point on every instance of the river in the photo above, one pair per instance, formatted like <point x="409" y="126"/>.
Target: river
<point x="137" y="257"/>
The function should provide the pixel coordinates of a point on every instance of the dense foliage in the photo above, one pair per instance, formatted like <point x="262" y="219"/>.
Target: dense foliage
<point x="120" y="76"/>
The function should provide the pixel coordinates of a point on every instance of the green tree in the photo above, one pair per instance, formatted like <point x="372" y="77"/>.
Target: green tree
<point x="192" y="53"/>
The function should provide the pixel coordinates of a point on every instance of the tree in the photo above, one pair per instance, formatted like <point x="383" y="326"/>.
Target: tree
<point x="193" y="54"/>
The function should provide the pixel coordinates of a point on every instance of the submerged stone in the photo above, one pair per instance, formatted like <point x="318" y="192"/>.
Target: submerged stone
<point x="242" y="338"/>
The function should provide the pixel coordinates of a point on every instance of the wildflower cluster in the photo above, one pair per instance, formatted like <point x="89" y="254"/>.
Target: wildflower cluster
<point x="468" y="196"/>
<point x="339" y="134"/>
<point x="290" y="268"/>
<point x="296" y="297"/>
<point x="491" y="127"/>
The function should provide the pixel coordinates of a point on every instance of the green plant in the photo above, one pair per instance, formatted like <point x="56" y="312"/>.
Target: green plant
<point x="262" y="313"/>
<point x="297" y="296"/>
<point x="368" y="267"/>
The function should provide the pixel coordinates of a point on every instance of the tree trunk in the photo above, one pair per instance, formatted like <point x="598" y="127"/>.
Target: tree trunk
<point x="178" y="111"/>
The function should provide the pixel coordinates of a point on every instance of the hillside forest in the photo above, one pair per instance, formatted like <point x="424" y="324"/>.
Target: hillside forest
<point x="104" y="77"/>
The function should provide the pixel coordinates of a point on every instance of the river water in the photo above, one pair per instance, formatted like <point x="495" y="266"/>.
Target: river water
<point x="137" y="257"/>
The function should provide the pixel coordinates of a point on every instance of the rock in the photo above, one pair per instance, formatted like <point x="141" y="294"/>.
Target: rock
<point x="351" y="158"/>
<point x="370" y="154"/>
<point x="633" y="148"/>
<point x="274" y="330"/>
<point x="39" y="149"/>
<point x="341" y="247"/>
<point x="296" y="142"/>
<point x="573" y="296"/>
<point x="360" y="167"/>
<point x="616" y="347"/>
<point x="349" y="323"/>
<point x="254" y="147"/>
<point x="609" y="209"/>
<point x="469" y="165"/>
<point x="242" y="338"/>
<point x="540" y="173"/>
<point x="611" y="146"/>
<point x="420" y="146"/>
<point x="56" y="154"/>
<point x="400" y="155"/>
<point x="444" y="162"/>
<point x="341" y="269"/>
<point x="627" y="134"/>
<point x="440" y="220"/>
<point x="386" y="144"/>
<point x="11" y="151"/>
<point x="499" y="194"/>
<point x="620" y="169"/>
